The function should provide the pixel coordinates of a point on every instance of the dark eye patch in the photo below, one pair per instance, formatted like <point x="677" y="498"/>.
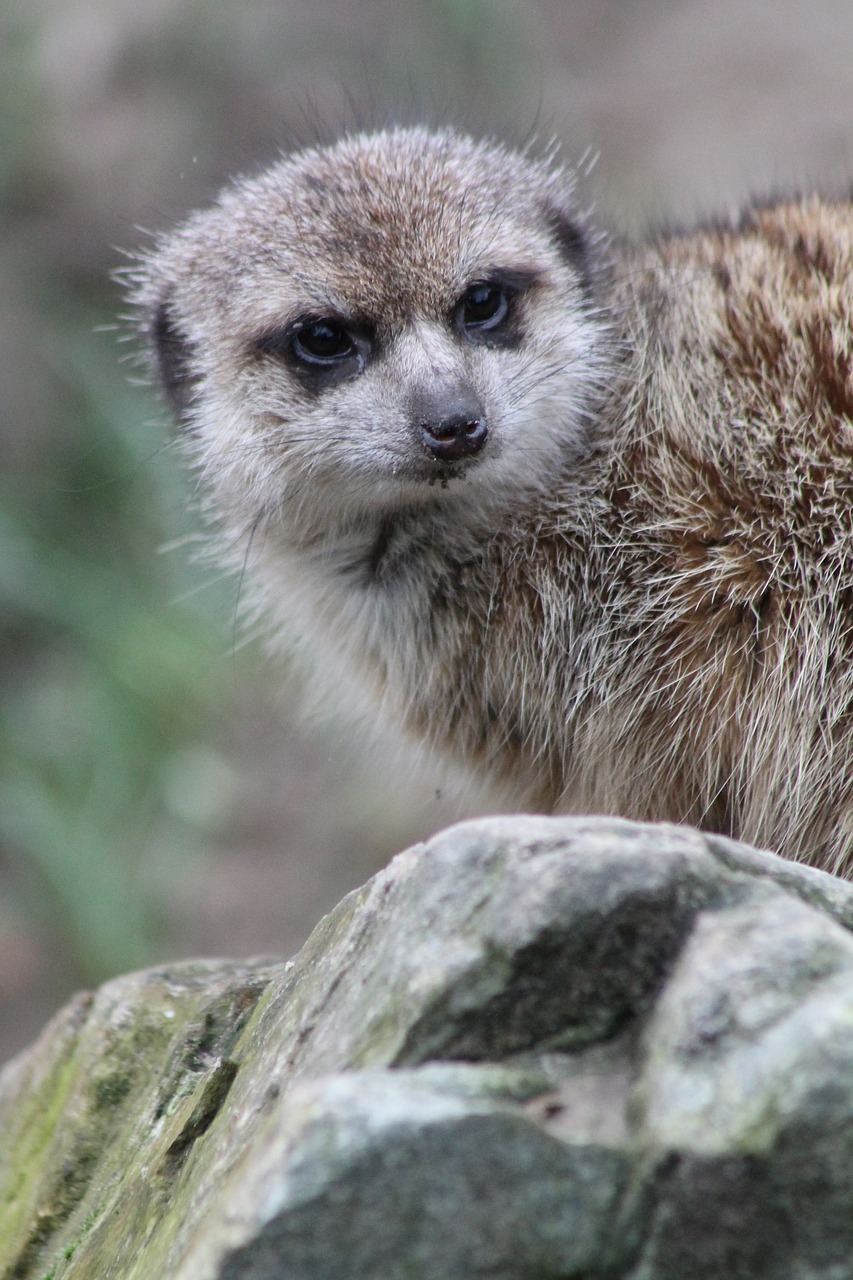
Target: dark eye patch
<point x="320" y="350"/>
<point x="487" y="311"/>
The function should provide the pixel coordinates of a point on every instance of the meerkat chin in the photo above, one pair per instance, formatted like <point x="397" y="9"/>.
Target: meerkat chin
<point x="576" y="514"/>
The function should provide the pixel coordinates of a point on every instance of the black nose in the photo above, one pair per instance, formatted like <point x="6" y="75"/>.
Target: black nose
<point x="452" y="425"/>
<point x="456" y="437"/>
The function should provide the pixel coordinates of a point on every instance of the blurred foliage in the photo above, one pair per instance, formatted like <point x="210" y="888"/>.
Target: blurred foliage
<point x="113" y="663"/>
<point x="107" y="691"/>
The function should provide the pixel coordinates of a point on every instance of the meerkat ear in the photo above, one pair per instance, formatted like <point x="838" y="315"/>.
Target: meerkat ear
<point x="572" y="242"/>
<point x="173" y="353"/>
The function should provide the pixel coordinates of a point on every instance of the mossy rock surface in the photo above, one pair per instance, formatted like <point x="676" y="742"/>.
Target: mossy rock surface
<point x="530" y="1048"/>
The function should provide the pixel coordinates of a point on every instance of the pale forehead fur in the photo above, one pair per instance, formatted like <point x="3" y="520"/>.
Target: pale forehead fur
<point x="392" y="225"/>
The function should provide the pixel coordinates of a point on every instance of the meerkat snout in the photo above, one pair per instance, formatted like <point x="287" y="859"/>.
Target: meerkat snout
<point x="575" y="513"/>
<point x="451" y="421"/>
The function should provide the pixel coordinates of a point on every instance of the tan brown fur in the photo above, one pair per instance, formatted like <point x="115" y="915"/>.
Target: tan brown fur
<point x="638" y="600"/>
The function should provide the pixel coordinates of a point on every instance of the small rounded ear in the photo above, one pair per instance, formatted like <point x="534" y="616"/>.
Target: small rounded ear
<point x="175" y="362"/>
<point x="573" y="243"/>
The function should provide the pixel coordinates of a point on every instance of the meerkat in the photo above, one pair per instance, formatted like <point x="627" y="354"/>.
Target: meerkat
<point x="576" y="513"/>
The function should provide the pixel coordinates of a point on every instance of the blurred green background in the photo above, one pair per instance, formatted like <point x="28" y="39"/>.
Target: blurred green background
<point x="156" y="798"/>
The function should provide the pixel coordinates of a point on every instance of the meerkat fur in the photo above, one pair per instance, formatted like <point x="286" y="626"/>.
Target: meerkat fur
<point x="577" y="514"/>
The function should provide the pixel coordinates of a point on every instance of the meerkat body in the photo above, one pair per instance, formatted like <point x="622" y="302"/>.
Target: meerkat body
<point x="577" y="515"/>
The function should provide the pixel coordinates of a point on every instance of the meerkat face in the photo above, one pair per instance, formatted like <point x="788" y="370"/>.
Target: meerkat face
<point x="401" y="319"/>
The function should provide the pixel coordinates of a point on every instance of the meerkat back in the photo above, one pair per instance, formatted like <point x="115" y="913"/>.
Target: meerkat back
<point x="576" y="515"/>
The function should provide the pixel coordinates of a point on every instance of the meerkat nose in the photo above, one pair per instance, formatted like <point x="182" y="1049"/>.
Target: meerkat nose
<point x="452" y="425"/>
<point x="459" y="436"/>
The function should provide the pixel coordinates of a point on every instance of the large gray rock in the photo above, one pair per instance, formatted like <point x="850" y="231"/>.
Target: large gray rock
<point x="530" y="1048"/>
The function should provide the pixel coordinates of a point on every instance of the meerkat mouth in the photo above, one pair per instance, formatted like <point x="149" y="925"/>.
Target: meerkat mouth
<point x="445" y="472"/>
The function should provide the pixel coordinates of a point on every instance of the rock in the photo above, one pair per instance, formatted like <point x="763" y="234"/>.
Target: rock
<point x="532" y="1047"/>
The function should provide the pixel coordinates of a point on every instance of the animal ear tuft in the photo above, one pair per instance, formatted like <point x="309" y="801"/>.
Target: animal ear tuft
<point x="175" y="365"/>
<point x="572" y="241"/>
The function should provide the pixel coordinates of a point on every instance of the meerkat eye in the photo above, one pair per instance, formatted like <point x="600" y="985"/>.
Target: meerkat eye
<point x="487" y="313"/>
<point x="483" y="307"/>
<point x="321" y="352"/>
<point x="323" y="342"/>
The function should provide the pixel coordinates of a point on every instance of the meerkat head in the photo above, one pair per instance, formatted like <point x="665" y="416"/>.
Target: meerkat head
<point x="401" y="319"/>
